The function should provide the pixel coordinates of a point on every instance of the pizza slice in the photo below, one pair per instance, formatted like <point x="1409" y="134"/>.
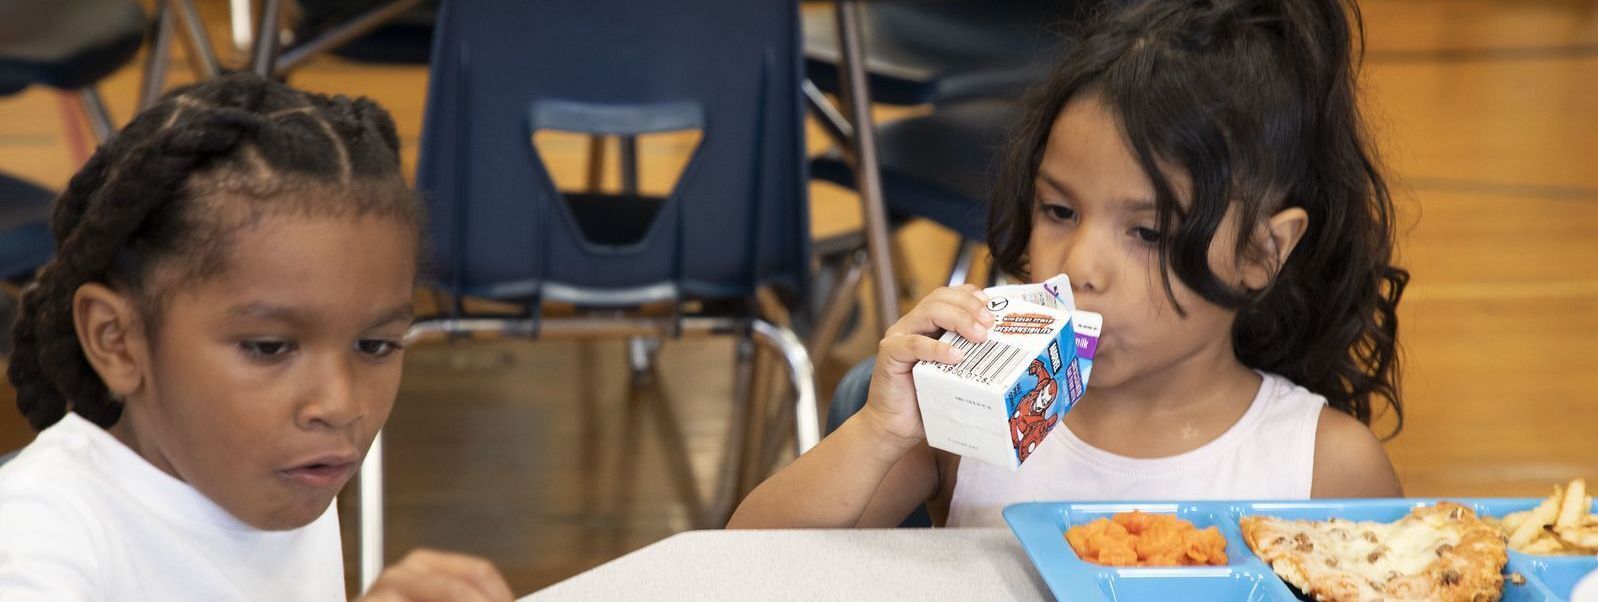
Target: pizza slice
<point x="1441" y="552"/>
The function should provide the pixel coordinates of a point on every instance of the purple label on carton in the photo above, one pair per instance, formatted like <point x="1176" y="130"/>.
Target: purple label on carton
<point x="1086" y="346"/>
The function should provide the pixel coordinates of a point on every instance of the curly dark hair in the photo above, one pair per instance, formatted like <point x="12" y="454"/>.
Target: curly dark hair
<point x="168" y="191"/>
<point x="1255" y="101"/>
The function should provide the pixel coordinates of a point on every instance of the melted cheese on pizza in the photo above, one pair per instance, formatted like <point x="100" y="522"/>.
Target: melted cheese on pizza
<point x="1435" y="552"/>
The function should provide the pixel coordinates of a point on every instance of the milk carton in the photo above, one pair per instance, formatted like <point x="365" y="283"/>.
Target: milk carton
<point x="1011" y="390"/>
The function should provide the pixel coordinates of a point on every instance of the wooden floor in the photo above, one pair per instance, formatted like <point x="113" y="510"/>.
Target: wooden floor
<point x="541" y="457"/>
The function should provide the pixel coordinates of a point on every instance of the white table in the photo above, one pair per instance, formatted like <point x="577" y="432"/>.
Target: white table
<point x="942" y="564"/>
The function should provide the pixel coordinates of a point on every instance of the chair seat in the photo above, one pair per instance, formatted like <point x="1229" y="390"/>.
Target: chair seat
<point x="66" y="44"/>
<point x="936" y="53"/>
<point x="25" y="242"/>
<point x="936" y="166"/>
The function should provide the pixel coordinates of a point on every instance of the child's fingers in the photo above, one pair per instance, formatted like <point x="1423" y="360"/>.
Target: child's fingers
<point x="935" y="315"/>
<point x="426" y="575"/>
<point x="409" y="583"/>
<point x="966" y="297"/>
<point x="898" y="353"/>
<point x="478" y="573"/>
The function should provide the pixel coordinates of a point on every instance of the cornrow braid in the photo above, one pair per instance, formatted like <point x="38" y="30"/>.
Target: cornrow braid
<point x="168" y="189"/>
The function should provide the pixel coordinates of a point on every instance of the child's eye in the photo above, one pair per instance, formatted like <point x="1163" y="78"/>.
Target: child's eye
<point x="1147" y="235"/>
<point x="265" y="349"/>
<point x="1058" y="212"/>
<point x="378" y="347"/>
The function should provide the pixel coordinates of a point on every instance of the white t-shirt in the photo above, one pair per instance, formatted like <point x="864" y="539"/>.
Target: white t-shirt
<point x="1268" y="454"/>
<point x="83" y="517"/>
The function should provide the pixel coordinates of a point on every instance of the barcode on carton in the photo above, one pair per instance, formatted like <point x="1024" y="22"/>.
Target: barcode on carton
<point x="984" y="362"/>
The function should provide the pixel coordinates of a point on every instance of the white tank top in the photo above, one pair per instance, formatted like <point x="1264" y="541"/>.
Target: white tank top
<point x="1268" y="454"/>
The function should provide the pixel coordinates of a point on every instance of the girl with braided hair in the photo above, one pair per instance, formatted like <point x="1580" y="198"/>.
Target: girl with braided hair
<point x="210" y="353"/>
<point x="1201" y="171"/>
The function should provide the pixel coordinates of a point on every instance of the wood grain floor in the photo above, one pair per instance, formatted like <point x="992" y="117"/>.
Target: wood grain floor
<point x="541" y="457"/>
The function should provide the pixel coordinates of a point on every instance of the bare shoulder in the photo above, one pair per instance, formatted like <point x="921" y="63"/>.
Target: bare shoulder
<point x="1350" y="461"/>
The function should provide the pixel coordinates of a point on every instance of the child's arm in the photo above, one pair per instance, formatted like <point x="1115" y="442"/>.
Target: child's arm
<point x="875" y="469"/>
<point x="1350" y="461"/>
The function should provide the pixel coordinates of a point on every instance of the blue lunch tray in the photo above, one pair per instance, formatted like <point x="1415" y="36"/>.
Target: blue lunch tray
<point x="1041" y="526"/>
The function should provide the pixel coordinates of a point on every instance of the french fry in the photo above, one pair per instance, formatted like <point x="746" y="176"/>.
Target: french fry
<point x="1543" y="515"/>
<point x="1563" y="524"/>
<point x="1542" y="545"/>
<point x="1513" y="520"/>
<point x="1571" y="508"/>
<point x="1581" y="538"/>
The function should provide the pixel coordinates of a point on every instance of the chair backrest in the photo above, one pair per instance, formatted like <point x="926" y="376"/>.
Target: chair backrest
<point x="505" y="69"/>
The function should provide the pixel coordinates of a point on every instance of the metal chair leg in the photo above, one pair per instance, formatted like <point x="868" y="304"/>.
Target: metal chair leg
<point x="755" y="422"/>
<point x="202" y="55"/>
<point x="371" y="531"/>
<point x="99" y="116"/>
<point x="864" y="155"/>
<point x="729" y="481"/>
<point x="155" y="62"/>
<point x="807" y="427"/>
<point x="832" y="122"/>
<point x="641" y="355"/>
<point x="840" y="301"/>
<point x="264" y="60"/>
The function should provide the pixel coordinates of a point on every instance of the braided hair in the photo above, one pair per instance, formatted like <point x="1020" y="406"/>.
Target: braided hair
<point x="166" y="193"/>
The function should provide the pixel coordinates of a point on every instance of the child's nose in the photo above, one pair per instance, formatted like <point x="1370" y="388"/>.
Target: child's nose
<point x="333" y="402"/>
<point x="1083" y="262"/>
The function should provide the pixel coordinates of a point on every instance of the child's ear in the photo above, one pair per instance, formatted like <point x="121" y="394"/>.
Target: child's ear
<point x="1276" y="239"/>
<point x="112" y="336"/>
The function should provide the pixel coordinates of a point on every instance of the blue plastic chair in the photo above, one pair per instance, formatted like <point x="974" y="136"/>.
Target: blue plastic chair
<point x="936" y="166"/>
<point x="736" y="224"/>
<point x="938" y="52"/>
<point x="504" y="70"/>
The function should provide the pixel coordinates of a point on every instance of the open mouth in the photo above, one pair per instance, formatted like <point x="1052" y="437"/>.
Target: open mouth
<point x="320" y="474"/>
